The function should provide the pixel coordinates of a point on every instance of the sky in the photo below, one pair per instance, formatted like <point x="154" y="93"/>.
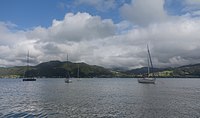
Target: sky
<point x="108" y="33"/>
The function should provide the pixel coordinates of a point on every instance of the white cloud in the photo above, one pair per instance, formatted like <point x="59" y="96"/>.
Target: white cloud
<point x="93" y="40"/>
<point x="175" y="39"/>
<point x="144" y="12"/>
<point x="47" y="43"/>
<point x="75" y="27"/>
<point x="14" y="45"/>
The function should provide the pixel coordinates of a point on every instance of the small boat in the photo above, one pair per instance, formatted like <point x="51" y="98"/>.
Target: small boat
<point x="29" y="79"/>
<point x="148" y="79"/>
<point x="27" y="73"/>
<point x="68" y="78"/>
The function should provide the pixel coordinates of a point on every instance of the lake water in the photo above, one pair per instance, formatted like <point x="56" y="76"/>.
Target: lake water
<point x="100" y="98"/>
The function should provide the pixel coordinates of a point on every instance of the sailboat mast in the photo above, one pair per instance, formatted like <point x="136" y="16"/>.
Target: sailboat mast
<point x="78" y="72"/>
<point x="27" y="67"/>
<point x="148" y="62"/>
<point x="68" y="66"/>
<point x="149" y="55"/>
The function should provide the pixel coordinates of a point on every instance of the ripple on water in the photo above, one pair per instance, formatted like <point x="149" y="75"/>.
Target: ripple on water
<point x="24" y="115"/>
<point x="101" y="98"/>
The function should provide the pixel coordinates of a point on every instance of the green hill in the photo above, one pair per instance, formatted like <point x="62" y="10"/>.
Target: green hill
<point x="54" y="69"/>
<point x="189" y="71"/>
<point x="58" y="69"/>
<point x="12" y="72"/>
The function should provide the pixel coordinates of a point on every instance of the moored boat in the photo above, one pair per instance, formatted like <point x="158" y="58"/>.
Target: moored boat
<point x="150" y="78"/>
<point x="27" y="73"/>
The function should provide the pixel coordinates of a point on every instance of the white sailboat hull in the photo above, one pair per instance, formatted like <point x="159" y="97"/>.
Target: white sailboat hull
<point x="67" y="80"/>
<point x="147" y="80"/>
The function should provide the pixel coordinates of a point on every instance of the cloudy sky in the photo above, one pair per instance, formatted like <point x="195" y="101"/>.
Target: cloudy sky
<point x="109" y="33"/>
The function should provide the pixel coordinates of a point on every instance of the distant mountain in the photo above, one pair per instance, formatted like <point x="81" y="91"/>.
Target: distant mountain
<point x="187" y="71"/>
<point x="143" y="70"/>
<point x="12" y="72"/>
<point x="59" y="69"/>
<point x="177" y="72"/>
<point x="56" y="69"/>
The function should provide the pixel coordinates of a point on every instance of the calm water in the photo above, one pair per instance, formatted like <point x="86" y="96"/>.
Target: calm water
<point x="107" y="98"/>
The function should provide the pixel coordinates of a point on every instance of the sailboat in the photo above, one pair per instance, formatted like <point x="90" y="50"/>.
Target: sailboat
<point x="67" y="79"/>
<point x="28" y="78"/>
<point x="148" y="79"/>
